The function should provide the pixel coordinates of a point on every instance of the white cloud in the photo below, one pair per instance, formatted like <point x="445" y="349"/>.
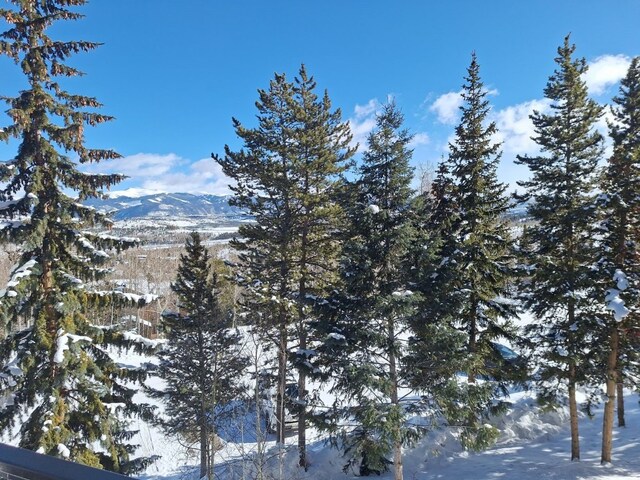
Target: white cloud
<point x="605" y="71"/>
<point x="202" y="176"/>
<point x="368" y="109"/>
<point x="139" y="165"/>
<point x="363" y="122"/>
<point x="447" y="106"/>
<point x="150" y="172"/>
<point x="515" y="128"/>
<point x="421" y="138"/>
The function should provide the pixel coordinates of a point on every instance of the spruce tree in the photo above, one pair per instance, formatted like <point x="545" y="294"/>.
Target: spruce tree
<point x="58" y="379"/>
<point x="366" y="317"/>
<point x="560" y="287"/>
<point x="620" y="244"/>
<point x="286" y="179"/>
<point x="201" y="362"/>
<point x="470" y="286"/>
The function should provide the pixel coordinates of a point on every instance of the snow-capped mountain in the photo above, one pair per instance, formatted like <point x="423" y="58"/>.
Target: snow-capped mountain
<point x="166" y="205"/>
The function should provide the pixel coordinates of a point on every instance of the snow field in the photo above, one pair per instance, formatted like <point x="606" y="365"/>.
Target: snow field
<point x="534" y="444"/>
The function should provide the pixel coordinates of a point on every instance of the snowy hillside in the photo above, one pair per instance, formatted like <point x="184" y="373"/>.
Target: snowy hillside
<point x="167" y="205"/>
<point x="533" y="445"/>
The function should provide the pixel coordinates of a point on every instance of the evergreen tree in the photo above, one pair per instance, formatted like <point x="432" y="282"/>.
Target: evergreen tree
<point x="286" y="179"/>
<point x="620" y="245"/>
<point x="58" y="379"/>
<point x="265" y="248"/>
<point x="367" y="316"/>
<point x="470" y="286"/>
<point x="201" y="362"/>
<point x="559" y="291"/>
<point x="320" y="157"/>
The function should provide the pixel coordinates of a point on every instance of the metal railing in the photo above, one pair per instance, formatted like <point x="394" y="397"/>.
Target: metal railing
<point x="20" y="464"/>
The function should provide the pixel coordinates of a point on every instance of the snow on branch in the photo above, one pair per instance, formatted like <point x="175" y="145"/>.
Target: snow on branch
<point x="16" y="277"/>
<point x="62" y="344"/>
<point x="612" y="299"/>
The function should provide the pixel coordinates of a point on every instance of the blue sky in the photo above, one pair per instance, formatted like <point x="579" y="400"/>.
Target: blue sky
<point x="174" y="73"/>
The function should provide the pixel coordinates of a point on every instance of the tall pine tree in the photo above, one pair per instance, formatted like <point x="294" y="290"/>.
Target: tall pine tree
<point x="320" y="157"/>
<point x="620" y="244"/>
<point x="265" y="248"/>
<point x="559" y="290"/>
<point x="367" y="315"/>
<point x="470" y="286"/>
<point x="201" y="362"/>
<point x="286" y="178"/>
<point x="58" y="380"/>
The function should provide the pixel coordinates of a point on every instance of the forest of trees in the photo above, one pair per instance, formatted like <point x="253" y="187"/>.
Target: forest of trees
<point x="353" y="279"/>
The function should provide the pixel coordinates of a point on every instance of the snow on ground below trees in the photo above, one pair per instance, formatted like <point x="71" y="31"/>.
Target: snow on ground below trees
<point x="534" y="444"/>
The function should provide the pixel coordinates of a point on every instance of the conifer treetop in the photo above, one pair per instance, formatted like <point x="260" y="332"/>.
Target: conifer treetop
<point x="567" y="134"/>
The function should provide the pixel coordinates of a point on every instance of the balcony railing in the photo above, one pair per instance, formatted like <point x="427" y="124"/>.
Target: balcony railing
<point x="21" y="464"/>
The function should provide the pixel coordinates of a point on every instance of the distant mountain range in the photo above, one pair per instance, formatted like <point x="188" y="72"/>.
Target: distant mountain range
<point x="166" y="205"/>
<point x="171" y="205"/>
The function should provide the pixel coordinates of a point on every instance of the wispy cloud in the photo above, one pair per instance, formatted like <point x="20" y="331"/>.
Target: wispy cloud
<point x="515" y="128"/>
<point x="605" y="71"/>
<point x="420" y="138"/>
<point x="139" y="165"/>
<point x="167" y="173"/>
<point x="447" y="107"/>
<point x="202" y="176"/>
<point x="363" y="122"/>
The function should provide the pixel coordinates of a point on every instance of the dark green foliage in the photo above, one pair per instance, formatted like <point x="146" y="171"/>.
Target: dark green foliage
<point x="561" y="188"/>
<point x="58" y="372"/>
<point x="621" y="194"/>
<point x="619" y="262"/>
<point x="465" y="265"/>
<point x="200" y="362"/>
<point x="287" y="177"/>
<point x="559" y="290"/>
<point x="366" y="317"/>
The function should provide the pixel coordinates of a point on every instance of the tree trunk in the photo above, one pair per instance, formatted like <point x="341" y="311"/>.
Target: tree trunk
<point x="51" y="316"/>
<point x="302" y="377"/>
<point x="393" y="376"/>
<point x="472" y="419"/>
<point x="302" y="410"/>
<point x="471" y="374"/>
<point x="620" y="397"/>
<point x="281" y="400"/>
<point x="282" y="384"/>
<point x="213" y="443"/>
<point x="620" y="261"/>
<point x="609" y="408"/>
<point x="573" y="413"/>
<point x="258" y="399"/>
<point x="204" y="448"/>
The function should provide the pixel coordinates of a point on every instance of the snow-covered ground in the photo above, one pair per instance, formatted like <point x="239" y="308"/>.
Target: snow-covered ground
<point x="534" y="445"/>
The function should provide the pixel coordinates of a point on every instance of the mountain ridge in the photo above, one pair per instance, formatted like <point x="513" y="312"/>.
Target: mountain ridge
<point x="165" y="205"/>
